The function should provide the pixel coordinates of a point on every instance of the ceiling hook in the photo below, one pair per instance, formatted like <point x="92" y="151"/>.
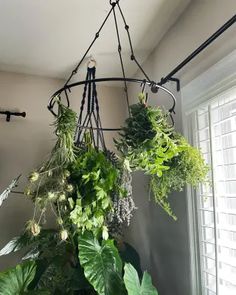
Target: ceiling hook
<point x="113" y="3"/>
<point x="91" y="63"/>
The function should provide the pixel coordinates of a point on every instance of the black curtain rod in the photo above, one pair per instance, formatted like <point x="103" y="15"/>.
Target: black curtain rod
<point x="205" y="44"/>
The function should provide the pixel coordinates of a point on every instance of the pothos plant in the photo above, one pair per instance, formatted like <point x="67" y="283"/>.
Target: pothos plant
<point x="89" y="191"/>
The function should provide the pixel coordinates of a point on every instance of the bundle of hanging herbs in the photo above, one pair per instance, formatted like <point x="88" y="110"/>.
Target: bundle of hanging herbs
<point x="87" y="191"/>
<point x="90" y="193"/>
<point x="148" y="143"/>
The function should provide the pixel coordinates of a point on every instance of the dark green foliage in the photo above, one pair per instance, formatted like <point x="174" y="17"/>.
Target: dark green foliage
<point x="148" y="143"/>
<point x="146" y="140"/>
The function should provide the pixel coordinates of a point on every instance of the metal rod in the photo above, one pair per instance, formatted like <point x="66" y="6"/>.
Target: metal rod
<point x="153" y="86"/>
<point x="110" y="79"/>
<point x="9" y="114"/>
<point x="133" y="58"/>
<point x="100" y="128"/>
<point x="205" y="44"/>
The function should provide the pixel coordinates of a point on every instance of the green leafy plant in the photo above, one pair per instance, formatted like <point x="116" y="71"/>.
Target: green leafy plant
<point x="90" y="193"/>
<point x="133" y="285"/>
<point x="94" y="178"/>
<point x="188" y="167"/>
<point x="146" y="140"/>
<point x="81" y="186"/>
<point x="150" y="144"/>
<point x="102" y="265"/>
<point x="18" y="279"/>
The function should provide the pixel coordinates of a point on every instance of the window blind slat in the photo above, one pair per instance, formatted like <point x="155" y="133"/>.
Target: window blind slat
<point x="216" y="137"/>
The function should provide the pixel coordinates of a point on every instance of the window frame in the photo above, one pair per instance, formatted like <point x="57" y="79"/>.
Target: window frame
<point x="217" y="80"/>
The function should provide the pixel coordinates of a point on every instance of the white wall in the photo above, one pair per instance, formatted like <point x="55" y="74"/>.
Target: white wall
<point x="26" y="142"/>
<point x="162" y="243"/>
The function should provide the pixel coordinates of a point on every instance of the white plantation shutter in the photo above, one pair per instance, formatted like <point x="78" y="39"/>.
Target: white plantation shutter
<point x="215" y="130"/>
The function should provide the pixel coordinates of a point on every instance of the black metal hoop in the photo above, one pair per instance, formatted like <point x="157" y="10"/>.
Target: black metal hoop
<point x="153" y="85"/>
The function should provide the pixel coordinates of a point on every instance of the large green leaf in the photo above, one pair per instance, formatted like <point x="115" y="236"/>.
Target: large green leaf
<point x="16" y="280"/>
<point x="132" y="282"/>
<point x="102" y="265"/>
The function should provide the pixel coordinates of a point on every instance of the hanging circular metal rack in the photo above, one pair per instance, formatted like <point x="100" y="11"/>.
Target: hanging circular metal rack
<point x="67" y="88"/>
<point x="146" y="81"/>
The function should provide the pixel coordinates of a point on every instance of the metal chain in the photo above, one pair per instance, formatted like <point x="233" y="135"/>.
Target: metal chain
<point x="132" y="57"/>
<point x="74" y="72"/>
<point x="121" y="60"/>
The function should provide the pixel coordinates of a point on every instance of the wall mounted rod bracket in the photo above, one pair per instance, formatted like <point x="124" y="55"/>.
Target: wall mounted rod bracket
<point x="9" y="114"/>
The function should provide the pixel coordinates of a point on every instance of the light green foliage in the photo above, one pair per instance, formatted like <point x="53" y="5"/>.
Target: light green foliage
<point x="188" y="167"/>
<point x="94" y="178"/>
<point x="133" y="285"/>
<point x="102" y="265"/>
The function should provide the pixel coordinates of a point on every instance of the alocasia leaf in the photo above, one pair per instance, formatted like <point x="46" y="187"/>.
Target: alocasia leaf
<point x="102" y="265"/>
<point x="132" y="282"/>
<point x="16" y="280"/>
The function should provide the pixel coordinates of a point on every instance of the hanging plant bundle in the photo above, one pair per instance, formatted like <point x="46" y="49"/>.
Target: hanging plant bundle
<point x="82" y="185"/>
<point x="88" y="192"/>
<point x="150" y="144"/>
<point x="48" y="184"/>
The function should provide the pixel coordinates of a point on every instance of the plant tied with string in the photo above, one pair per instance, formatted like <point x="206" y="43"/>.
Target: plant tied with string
<point x="148" y="143"/>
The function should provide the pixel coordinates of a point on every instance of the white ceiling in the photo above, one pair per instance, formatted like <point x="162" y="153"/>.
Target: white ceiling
<point x="48" y="37"/>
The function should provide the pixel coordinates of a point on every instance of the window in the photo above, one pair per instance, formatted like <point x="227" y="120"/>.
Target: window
<point x="215" y="133"/>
